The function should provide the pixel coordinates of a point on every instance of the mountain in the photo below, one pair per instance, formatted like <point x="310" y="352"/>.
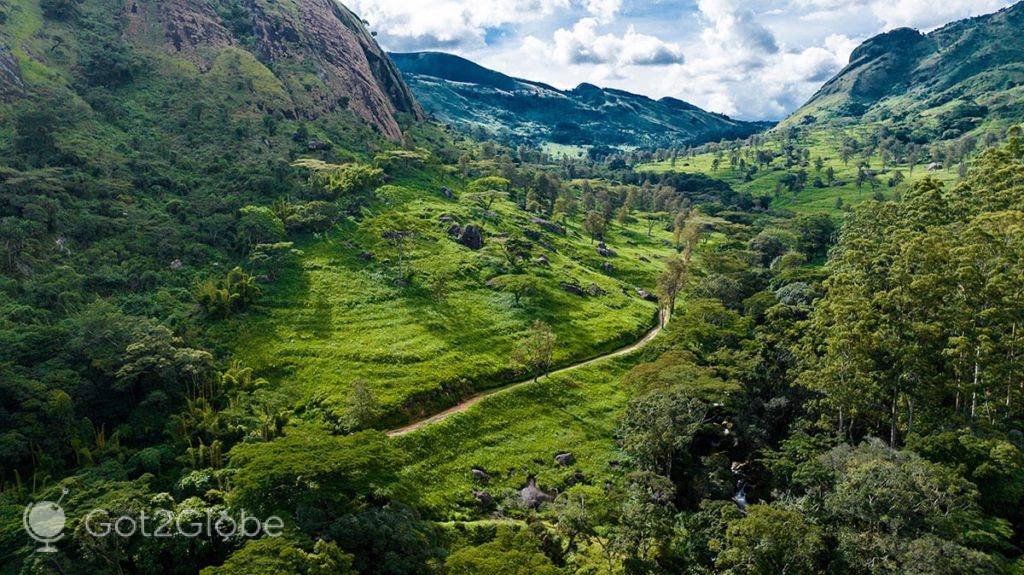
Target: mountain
<point x="947" y="81"/>
<point x="295" y="58"/>
<point x="475" y="98"/>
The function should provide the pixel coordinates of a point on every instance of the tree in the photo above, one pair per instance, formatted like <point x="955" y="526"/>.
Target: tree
<point x="771" y="540"/>
<point x="534" y="353"/>
<point x="282" y="556"/>
<point x="269" y="258"/>
<point x="594" y="226"/>
<point x="362" y="407"/>
<point x="653" y="218"/>
<point x="645" y="522"/>
<point x="622" y="214"/>
<point x="658" y="427"/>
<point x="258" y="225"/>
<point x="672" y="281"/>
<point x="333" y="181"/>
<point x="513" y="552"/>
<point x="519" y="285"/>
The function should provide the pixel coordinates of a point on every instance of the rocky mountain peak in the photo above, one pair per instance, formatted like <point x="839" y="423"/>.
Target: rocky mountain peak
<point x="321" y="45"/>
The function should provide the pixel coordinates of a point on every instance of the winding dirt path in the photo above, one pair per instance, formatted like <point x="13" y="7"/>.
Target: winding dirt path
<point x="663" y="317"/>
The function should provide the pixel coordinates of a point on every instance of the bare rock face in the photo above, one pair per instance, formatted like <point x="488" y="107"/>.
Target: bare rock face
<point x="318" y="49"/>
<point x="353" y="71"/>
<point x="11" y="83"/>
<point x="190" y="29"/>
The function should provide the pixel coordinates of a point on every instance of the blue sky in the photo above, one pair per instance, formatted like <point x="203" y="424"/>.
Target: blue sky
<point x="754" y="59"/>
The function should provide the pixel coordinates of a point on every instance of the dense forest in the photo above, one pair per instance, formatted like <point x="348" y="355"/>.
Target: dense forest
<point x="243" y="274"/>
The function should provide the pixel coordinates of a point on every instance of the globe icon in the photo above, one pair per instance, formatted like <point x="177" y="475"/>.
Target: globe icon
<point x="44" y="521"/>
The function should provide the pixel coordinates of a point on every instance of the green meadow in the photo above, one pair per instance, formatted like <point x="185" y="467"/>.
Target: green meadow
<point x="821" y="143"/>
<point x="338" y="316"/>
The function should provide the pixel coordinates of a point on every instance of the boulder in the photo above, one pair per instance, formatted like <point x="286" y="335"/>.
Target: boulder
<point x="604" y="251"/>
<point x="531" y="495"/>
<point x="447" y="192"/>
<point x="316" y="145"/>
<point x="644" y="259"/>
<point x="483" y="498"/>
<point x="549" y="226"/>
<point x="532" y="235"/>
<point x="572" y="288"/>
<point x="595" y="290"/>
<point x="542" y="261"/>
<point x="366" y="256"/>
<point x="607" y="267"/>
<point x="177" y="265"/>
<point x="472" y="237"/>
<point x="646" y="296"/>
<point x="565" y="459"/>
<point x="446" y="218"/>
<point x="455" y="230"/>
<point x="480" y="475"/>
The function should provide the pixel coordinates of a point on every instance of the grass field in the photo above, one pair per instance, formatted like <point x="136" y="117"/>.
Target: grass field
<point x="337" y="318"/>
<point x="517" y="433"/>
<point x="823" y="143"/>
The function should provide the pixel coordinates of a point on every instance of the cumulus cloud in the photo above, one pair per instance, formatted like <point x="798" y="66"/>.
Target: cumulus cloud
<point x="750" y="59"/>
<point x="447" y="23"/>
<point x="583" y="45"/>
<point x="742" y="70"/>
<point x="735" y="29"/>
<point x="603" y="10"/>
<point x="920" y="14"/>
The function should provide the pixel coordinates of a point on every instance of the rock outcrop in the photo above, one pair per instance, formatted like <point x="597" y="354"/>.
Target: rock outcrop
<point x="319" y="50"/>
<point x="11" y="83"/>
<point x="532" y="497"/>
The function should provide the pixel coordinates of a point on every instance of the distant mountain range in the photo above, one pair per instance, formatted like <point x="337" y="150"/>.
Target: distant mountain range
<point x="491" y="104"/>
<point x="944" y="83"/>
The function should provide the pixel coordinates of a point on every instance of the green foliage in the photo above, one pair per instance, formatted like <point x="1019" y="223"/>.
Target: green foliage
<point x="658" y="427"/>
<point x="235" y="292"/>
<point x="512" y="552"/>
<point x="281" y="556"/>
<point x="771" y="540"/>
<point x="310" y="474"/>
<point x="258" y="225"/>
<point x="534" y="353"/>
<point x="334" y="181"/>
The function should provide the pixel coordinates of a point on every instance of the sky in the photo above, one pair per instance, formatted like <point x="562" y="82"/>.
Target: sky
<point x="753" y="59"/>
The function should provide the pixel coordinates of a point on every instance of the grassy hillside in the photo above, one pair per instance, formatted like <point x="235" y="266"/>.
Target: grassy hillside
<point x="820" y="192"/>
<point x="962" y="77"/>
<point x="338" y="317"/>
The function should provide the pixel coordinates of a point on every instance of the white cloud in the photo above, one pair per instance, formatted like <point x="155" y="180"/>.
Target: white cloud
<point x="755" y="59"/>
<point x="432" y="23"/>
<point x="921" y="14"/>
<point x="740" y="69"/>
<point x="583" y="45"/>
<point x="603" y="10"/>
<point x="735" y="29"/>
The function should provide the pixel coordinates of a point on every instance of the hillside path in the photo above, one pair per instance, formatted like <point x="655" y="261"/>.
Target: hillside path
<point x="663" y="317"/>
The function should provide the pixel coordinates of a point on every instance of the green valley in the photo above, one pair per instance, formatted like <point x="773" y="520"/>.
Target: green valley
<point x="400" y="314"/>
